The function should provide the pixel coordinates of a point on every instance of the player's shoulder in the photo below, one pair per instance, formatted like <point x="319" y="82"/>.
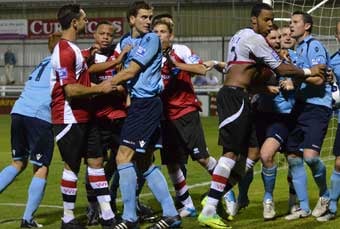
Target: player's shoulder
<point x="151" y="37"/>
<point x="180" y="48"/>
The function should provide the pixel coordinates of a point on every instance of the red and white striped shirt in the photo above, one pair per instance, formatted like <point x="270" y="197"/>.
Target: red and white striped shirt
<point x="69" y="67"/>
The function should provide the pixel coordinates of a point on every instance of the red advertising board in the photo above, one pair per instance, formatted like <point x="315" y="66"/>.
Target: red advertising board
<point x="42" y="28"/>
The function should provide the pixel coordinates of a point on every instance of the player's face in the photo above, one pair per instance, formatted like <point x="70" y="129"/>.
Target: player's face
<point x="142" y="22"/>
<point x="104" y="36"/>
<point x="264" y="22"/>
<point x="274" y="39"/>
<point x="81" y="22"/>
<point x="298" y="27"/>
<point x="337" y="35"/>
<point x="287" y="42"/>
<point x="164" y="34"/>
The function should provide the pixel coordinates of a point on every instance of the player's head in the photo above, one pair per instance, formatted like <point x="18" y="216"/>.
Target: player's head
<point x="262" y="18"/>
<point x="337" y="31"/>
<point x="163" y="17"/>
<point x="72" y="16"/>
<point x="301" y="24"/>
<point x="103" y="35"/>
<point x="287" y="42"/>
<point x="164" y="29"/>
<point x="274" y="38"/>
<point x="53" y="39"/>
<point x="139" y="16"/>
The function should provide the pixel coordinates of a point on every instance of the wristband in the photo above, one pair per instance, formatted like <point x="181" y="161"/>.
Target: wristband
<point x="307" y="71"/>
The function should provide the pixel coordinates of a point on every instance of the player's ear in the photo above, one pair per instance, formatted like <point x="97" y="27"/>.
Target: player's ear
<point x="74" y="23"/>
<point x="253" y="20"/>
<point x="307" y="26"/>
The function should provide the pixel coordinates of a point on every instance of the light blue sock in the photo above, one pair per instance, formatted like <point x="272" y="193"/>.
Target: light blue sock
<point x="334" y="191"/>
<point x="299" y="178"/>
<point x="319" y="174"/>
<point x="160" y="190"/>
<point x="7" y="175"/>
<point x="35" y="195"/>
<point x="128" y="185"/>
<point x="230" y="196"/>
<point x="243" y="187"/>
<point x="269" y="178"/>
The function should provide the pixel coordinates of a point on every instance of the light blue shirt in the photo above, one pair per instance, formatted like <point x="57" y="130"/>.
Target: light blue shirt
<point x="280" y="103"/>
<point x="311" y="52"/>
<point x="147" y="52"/>
<point x="335" y="65"/>
<point x="35" y="99"/>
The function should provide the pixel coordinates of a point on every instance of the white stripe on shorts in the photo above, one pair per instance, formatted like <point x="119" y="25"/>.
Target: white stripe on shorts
<point x="232" y="118"/>
<point x="63" y="132"/>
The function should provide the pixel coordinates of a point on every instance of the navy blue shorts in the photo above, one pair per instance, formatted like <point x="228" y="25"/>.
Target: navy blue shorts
<point x="273" y="125"/>
<point x="141" y="128"/>
<point x="183" y="137"/>
<point x="311" y="123"/>
<point x="336" y="146"/>
<point x="31" y="138"/>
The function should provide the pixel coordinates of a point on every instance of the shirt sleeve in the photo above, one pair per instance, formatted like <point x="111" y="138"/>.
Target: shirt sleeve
<point x="66" y="70"/>
<point x="261" y="49"/>
<point x="317" y="54"/>
<point x="188" y="56"/>
<point x="147" y="49"/>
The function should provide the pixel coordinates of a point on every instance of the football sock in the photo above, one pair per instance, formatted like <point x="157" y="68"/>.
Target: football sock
<point x="334" y="191"/>
<point x="69" y="193"/>
<point x="319" y="174"/>
<point x="7" y="175"/>
<point x="181" y="188"/>
<point x="35" y="195"/>
<point x="268" y="178"/>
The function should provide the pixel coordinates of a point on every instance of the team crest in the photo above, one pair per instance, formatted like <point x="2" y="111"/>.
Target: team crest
<point x="141" y="51"/>
<point x="62" y="73"/>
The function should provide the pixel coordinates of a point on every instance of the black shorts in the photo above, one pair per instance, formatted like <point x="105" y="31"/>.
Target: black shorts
<point x="141" y="128"/>
<point x="109" y="131"/>
<point x="182" y="137"/>
<point x="311" y="124"/>
<point x="236" y="127"/>
<point x="31" y="138"/>
<point x="77" y="140"/>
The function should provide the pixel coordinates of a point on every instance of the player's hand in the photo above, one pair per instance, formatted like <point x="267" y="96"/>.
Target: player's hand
<point x="273" y="89"/>
<point x="330" y="76"/>
<point x="106" y="86"/>
<point x="287" y="84"/>
<point x="284" y="54"/>
<point x="318" y="70"/>
<point x="209" y="64"/>
<point x="126" y="49"/>
<point x="94" y="49"/>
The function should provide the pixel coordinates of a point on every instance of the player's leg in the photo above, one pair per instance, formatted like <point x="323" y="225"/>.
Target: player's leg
<point x="334" y="190"/>
<point x="19" y="152"/>
<point x="41" y="144"/>
<point x="316" y="122"/>
<point x="71" y="139"/>
<point x="96" y="175"/>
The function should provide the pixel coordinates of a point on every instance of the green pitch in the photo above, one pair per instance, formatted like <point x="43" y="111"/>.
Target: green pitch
<point x="13" y="199"/>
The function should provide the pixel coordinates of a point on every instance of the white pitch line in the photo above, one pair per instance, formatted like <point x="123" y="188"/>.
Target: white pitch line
<point x="326" y="159"/>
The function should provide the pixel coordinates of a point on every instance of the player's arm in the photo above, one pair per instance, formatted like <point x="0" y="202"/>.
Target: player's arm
<point x="76" y="90"/>
<point x="126" y="74"/>
<point x="199" y="69"/>
<point x="101" y="67"/>
<point x="262" y="50"/>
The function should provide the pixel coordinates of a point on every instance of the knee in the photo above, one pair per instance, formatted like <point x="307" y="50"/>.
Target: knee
<point x="294" y="161"/>
<point x="41" y="172"/>
<point x="124" y="155"/>
<point x="20" y="165"/>
<point x="95" y="163"/>
<point x="312" y="161"/>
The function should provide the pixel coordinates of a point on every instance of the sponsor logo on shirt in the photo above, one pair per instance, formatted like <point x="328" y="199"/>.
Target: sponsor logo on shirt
<point x="274" y="54"/>
<point x="62" y="72"/>
<point x="194" y="59"/>
<point x="141" y="51"/>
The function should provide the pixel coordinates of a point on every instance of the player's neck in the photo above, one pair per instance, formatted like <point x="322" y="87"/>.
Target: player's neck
<point x="69" y="35"/>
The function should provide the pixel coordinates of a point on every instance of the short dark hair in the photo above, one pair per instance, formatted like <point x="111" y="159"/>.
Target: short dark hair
<point x="135" y="7"/>
<point x="275" y="27"/>
<point x="258" y="7"/>
<point x="307" y="18"/>
<point x="104" y="22"/>
<point x="67" y="13"/>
